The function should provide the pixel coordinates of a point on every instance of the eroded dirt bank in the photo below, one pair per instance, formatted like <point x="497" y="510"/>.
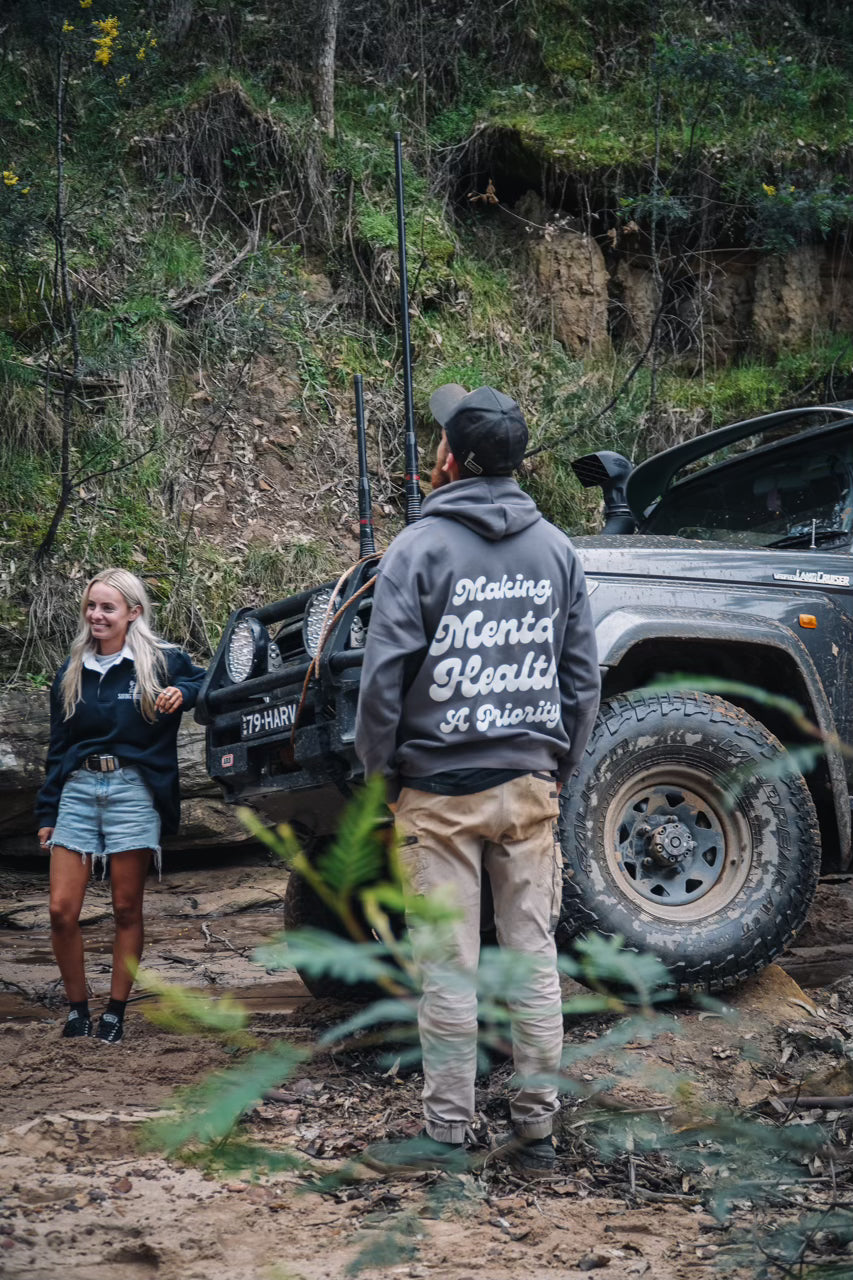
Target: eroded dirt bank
<point x="85" y="1202"/>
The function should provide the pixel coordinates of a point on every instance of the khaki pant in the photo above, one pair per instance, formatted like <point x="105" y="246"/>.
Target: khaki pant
<point x="447" y="841"/>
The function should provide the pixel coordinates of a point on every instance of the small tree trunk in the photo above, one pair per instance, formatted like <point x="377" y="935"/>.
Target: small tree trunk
<point x="179" y="18"/>
<point x="70" y="381"/>
<point x="657" y="274"/>
<point x="328" y="32"/>
<point x="46" y="545"/>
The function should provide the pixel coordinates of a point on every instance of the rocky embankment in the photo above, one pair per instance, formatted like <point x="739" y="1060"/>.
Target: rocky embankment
<point x="24" y="732"/>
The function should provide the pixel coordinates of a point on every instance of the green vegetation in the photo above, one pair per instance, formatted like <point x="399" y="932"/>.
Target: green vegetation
<point x="276" y="574"/>
<point x="228" y="265"/>
<point x="754" y="386"/>
<point x="754" y="1174"/>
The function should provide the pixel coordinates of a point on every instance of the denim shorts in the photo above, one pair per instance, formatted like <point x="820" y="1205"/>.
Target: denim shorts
<point x="105" y="813"/>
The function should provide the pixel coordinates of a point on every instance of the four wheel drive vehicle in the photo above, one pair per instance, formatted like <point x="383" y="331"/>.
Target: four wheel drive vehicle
<point x="725" y="565"/>
<point x="690" y="829"/>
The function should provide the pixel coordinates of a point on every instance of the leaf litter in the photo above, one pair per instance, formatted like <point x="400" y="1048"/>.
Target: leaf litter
<point x="86" y="1199"/>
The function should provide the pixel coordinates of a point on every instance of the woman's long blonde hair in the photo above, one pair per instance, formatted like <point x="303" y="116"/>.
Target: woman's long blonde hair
<point x="149" y="651"/>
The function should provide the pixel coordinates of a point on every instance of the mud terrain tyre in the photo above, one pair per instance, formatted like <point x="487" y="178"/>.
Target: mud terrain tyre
<point x="673" y="838"/>
<point x="303" y="909"/>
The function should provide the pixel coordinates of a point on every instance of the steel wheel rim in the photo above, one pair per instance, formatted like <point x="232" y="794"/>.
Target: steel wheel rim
<point x="706" y="812"/>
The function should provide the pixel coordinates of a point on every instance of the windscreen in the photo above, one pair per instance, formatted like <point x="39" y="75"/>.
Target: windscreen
<point x="775" y="497"/>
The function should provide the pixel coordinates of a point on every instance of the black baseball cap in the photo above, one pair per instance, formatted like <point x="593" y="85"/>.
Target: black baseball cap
<point x="485" y="429"/>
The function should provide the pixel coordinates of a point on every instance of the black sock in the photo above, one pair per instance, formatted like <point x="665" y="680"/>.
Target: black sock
<point x="117" y="1007"/>
<point x="79" y="1006"/>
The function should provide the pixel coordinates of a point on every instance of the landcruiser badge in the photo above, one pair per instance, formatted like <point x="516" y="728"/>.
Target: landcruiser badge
<point x="815" y="577"/>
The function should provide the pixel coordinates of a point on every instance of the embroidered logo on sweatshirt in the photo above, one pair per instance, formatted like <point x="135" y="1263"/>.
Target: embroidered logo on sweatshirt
<point x="131" y="691"/>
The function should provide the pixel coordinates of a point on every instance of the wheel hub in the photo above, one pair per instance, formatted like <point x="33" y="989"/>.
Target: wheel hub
<point x="670" y="844"/>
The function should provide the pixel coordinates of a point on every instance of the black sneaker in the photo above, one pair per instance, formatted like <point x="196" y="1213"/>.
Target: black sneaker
<point x="77" y="1024"/>
<point x="417" y="1155"/>
<point x="110" y="1028"/>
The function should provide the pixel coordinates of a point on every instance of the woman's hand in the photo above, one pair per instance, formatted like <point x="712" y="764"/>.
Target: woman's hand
<point x="44" y="836"/>
<point x="170" y="700"/>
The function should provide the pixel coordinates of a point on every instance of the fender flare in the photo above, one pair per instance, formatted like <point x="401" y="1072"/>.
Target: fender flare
<point x="622" y="629"/>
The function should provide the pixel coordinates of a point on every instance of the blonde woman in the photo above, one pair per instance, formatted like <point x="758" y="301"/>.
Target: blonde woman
<point x="111" y="784"/>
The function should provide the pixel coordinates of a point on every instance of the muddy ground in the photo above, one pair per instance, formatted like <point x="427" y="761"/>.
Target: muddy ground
<point x="85" y="1201"/>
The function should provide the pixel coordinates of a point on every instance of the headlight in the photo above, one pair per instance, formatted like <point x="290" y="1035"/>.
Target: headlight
<point x="357" y="633"/>
<point x="316" y="613"/>
<point x="247" y="650"/>
<point x="314" y="616"/>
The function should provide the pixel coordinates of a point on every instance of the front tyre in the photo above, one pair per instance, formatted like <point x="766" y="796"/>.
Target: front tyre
<point x="304" y="910"/>
<point x="674" y="838"/>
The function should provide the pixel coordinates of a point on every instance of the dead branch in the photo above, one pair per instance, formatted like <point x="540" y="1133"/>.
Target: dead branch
<point x="842" y="1103"/>
<point x="67" y="375"/>
<point x="210" y="936"/>
<point x="250" y="247"/>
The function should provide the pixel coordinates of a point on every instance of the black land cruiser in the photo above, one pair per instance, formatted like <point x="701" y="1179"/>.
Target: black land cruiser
<point x="721" y="587"/>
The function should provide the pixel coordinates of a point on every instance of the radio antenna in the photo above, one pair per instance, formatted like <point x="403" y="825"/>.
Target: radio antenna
<point x="366" y="544"/>
<point x="413" y="486"/>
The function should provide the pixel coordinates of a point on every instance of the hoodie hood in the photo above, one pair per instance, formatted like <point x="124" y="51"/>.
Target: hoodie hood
<point x="494" y="507"/>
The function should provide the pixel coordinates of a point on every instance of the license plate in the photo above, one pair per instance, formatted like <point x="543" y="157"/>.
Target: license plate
<point x="268" y="719"/>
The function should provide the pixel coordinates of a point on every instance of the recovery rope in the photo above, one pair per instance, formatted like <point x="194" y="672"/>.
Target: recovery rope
<point x="328" y="626"/>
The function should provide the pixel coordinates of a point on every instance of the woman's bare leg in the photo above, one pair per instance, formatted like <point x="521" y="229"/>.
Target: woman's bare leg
<point x="69" y="876"/>
<point x="127" y="882"/>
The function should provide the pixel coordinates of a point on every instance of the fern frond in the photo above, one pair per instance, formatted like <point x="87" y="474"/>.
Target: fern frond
<point x="182" y="1011"/>
<point x="207" y="1113"/>
<point x="357" y="855"/>
<point x="321" y="954"/>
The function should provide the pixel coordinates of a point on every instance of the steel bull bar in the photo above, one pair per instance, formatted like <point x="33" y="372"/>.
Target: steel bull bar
<point x="281" y="682"/>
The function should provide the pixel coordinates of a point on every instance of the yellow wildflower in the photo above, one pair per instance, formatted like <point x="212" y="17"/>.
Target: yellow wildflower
<point x="10" y="177"/>
<point x="122" y="81"/>
<point x="140" y="53"/>
<point x="152" y="44"/>
<point x="768" y="189"/>
<point x="67" y="26"/>
<point x="85" y="4"/>
<point x="25" y="191"/>
<point x="104" y="43"/>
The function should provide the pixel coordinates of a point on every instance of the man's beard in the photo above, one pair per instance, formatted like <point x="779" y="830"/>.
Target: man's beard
<point x="438" y="477"/>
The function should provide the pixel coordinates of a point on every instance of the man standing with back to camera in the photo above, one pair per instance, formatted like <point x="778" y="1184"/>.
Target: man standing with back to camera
<point x="478" y="694"/>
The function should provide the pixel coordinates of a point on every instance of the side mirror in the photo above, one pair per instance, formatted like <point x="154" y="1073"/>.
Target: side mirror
<point x="608" y="471"/>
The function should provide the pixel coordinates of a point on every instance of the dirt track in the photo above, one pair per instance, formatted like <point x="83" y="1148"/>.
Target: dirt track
<point x="86" y="1204"/>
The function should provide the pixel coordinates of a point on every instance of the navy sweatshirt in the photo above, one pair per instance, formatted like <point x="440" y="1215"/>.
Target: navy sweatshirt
<point x="107" y="721"/>
<point x="481" y="652"/>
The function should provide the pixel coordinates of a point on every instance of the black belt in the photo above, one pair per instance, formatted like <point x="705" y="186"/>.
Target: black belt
<point x="101" y="764"/>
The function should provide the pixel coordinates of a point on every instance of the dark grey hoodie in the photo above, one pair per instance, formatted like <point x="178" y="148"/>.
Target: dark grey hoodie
<point x="480" y="651"/>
